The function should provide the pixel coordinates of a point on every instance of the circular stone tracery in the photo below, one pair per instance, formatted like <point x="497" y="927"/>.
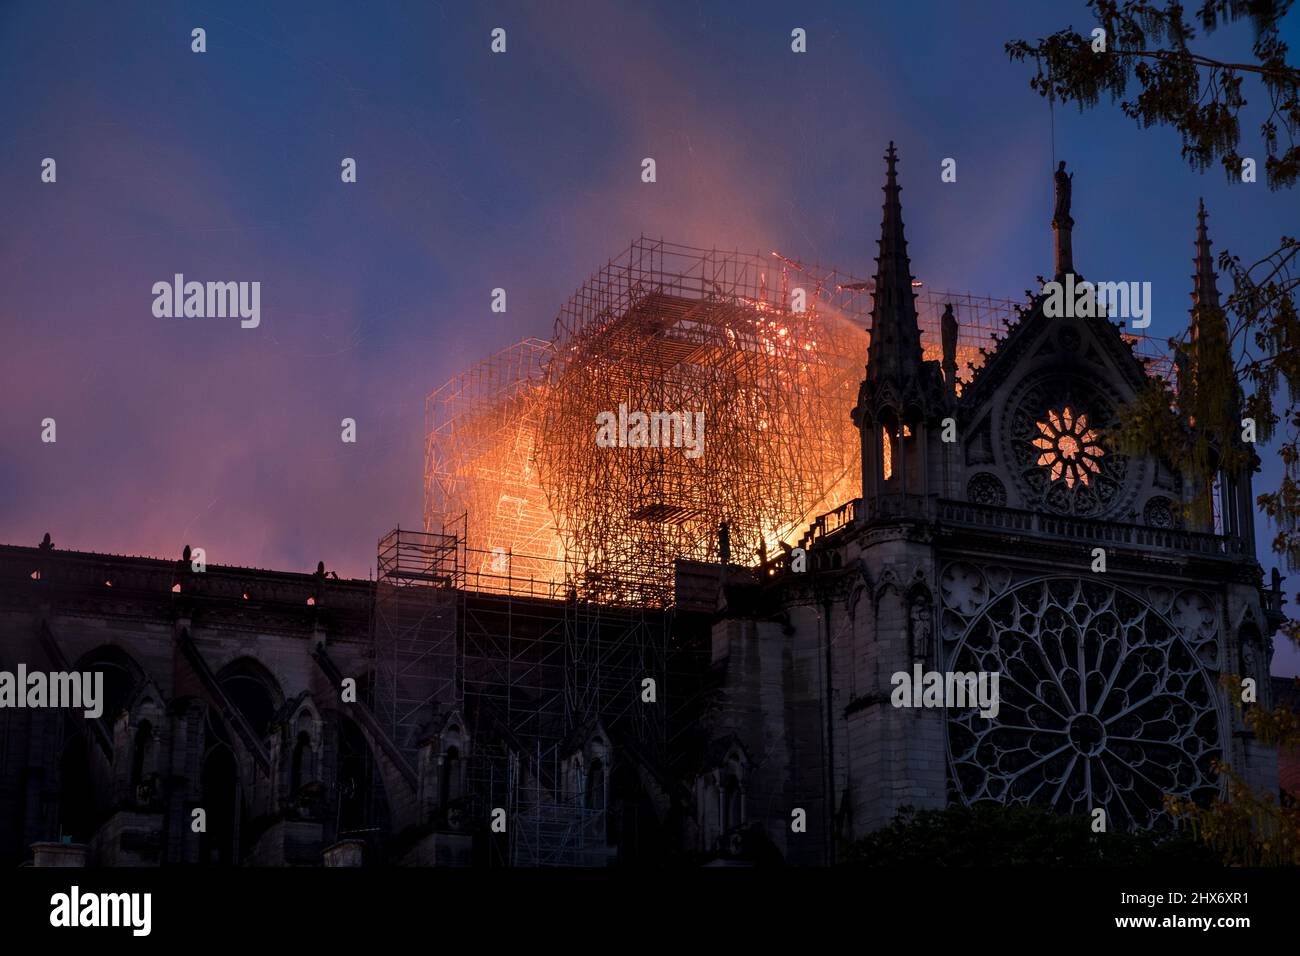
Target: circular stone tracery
<point x="985" y="489"/>
<point x="1068" y="447"/>
<point x="1101" y="704"/>
<point x="1159" y="513"/>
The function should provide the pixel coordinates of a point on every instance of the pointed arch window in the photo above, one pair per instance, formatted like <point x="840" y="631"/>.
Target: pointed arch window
<point x="596" y="785"/>
<point x="733" y="814"/>
<point x="449" y="781"/>
<point x="140" y="756"/>
<point x="301" y="769"/>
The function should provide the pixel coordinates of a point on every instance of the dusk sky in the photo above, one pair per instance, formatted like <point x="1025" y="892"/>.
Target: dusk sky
<point x="477" y="171"/>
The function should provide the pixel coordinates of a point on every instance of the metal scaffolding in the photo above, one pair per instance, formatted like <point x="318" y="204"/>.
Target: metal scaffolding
<point x="481" y="433"/>
<point x="769" y="349"/>
<point x="555" y="825"/>
<point x="757" y="374"/>
<point x="537" y="664"/>
<point x="611" y="652"/>
<point x="418" y="594"/>
<point x="514" y="655"/>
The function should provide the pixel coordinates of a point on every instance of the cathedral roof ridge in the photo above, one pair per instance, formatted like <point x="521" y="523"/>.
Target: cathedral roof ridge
<point x="72" y="554"/>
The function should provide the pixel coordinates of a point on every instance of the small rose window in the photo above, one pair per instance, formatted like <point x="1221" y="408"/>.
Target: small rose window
<point x="1068" y="447"/>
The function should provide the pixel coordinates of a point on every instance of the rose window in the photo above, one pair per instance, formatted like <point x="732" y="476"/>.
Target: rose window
<point x="1053" y="433"/>
<point x="1068" y="448"/>
<point x="1103" y="704"/>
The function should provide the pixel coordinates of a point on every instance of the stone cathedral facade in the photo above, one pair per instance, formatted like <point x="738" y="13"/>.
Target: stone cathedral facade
<point x="977" y="554"/>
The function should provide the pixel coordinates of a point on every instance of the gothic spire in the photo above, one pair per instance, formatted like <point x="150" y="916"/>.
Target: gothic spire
<point x="1205" y="287"/>
<point x="895" y="351"/>
<point x="1212" y="364"/>
<point x="1207" y="315"/>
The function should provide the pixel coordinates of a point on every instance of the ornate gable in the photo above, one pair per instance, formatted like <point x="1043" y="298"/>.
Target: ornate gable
<point x="1035" y="418"/>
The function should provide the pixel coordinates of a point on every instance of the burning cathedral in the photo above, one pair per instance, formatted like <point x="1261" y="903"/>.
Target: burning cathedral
<point x="594" y="655"/>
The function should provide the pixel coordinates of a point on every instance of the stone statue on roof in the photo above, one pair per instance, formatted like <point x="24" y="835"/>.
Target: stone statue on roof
<point x="1063" y="187"/>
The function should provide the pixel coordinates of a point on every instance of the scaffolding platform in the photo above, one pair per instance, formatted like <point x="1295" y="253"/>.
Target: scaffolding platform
<point x="418" y="593"/>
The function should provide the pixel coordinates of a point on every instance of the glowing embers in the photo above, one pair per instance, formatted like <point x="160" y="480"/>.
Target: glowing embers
<point x="1068" y="447"/>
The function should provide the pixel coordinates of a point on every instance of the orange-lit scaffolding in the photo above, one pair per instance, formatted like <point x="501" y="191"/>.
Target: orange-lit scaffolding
<point x="669" y="330"/>
<point x="480" y="444"/>
<point x="769" y="351"/>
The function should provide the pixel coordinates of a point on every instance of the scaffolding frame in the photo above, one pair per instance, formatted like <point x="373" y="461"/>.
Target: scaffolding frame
<point x="671" y="330"/>
<point x="664" y="326"/>
<point x="510" y="441"/>
<point x="611" y="651"/>
<point x="552" y="827"/>
<point x="419" y="590"/>
<point x="481" y="430"/>
<point x="537" y="665"/>
<point x="514" y="656"/>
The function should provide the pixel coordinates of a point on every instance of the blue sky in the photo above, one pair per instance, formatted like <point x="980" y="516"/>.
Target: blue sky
<point x="477" y="171"/>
